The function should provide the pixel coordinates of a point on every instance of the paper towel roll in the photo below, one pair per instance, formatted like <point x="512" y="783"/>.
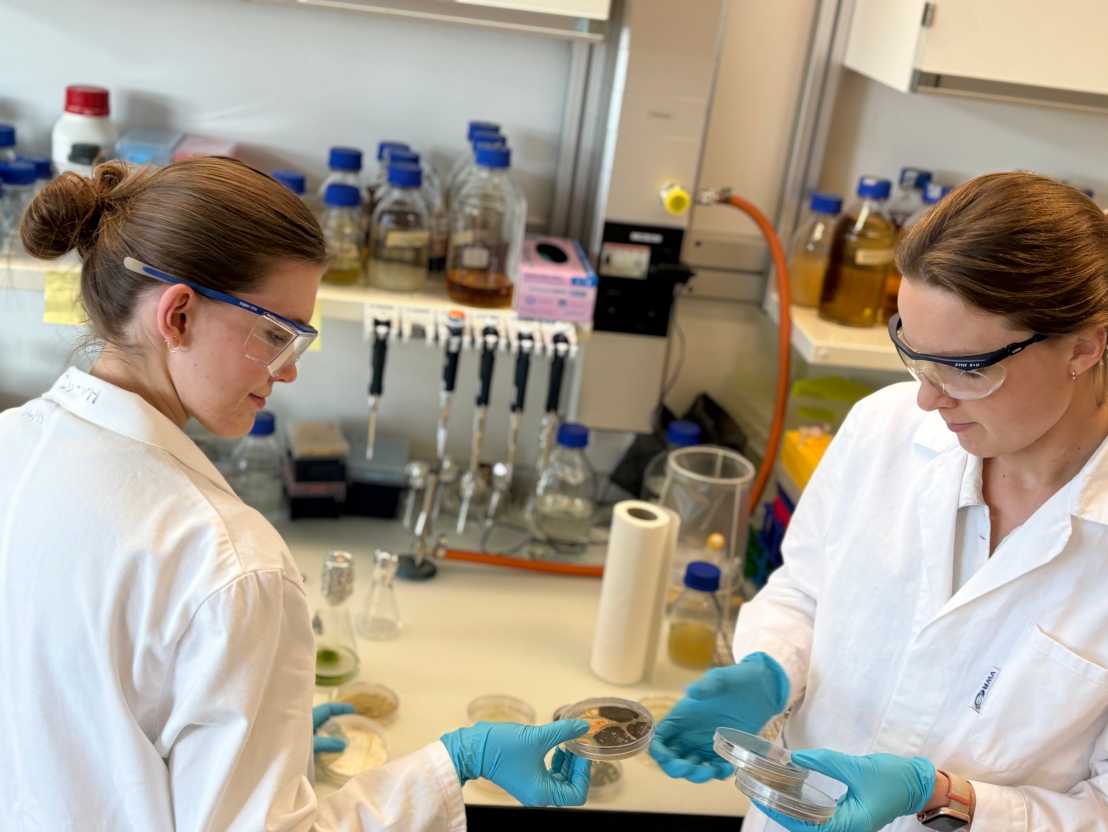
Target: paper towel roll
<point x="632" y="593"/>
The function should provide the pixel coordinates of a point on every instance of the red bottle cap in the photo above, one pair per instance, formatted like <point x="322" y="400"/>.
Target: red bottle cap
<point x="86" y="101"/>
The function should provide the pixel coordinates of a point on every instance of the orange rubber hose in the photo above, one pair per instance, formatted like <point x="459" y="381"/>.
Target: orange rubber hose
<point x="553" y="567"/>
<point x="784" y="344"/>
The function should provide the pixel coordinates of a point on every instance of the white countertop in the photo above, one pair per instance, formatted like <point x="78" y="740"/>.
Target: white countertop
<point x="476" y="630"/>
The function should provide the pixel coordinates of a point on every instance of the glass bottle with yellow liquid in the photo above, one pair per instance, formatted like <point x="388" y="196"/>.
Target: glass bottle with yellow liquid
<point x="811" y="249"/>
<point x="344" y="233"/>
<point x="932" y="193"/>
<point x="696" y="617"/>
<point x="861" y="255"/>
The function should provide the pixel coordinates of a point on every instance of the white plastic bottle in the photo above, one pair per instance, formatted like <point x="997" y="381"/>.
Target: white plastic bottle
<point x="256" y="468"/>
<point x="85" y="120"/>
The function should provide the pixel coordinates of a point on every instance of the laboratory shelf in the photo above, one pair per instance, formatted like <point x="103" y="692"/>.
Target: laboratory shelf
<point x="20" y="271"/>
<point x="825" y="344"/>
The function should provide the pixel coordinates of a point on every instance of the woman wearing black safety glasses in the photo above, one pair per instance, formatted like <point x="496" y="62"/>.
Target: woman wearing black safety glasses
<point x="938" y="633"/>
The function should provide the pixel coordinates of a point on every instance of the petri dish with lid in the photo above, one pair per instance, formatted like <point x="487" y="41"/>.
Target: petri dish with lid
<point x="768" y="762"/>
<point x="765" y="772"/>
<point x="366" y="747"/>
<point x="605" y="779"/>
<point x="802" y="801"/>
<point x="371" y="700"/>
<point x="618" y="728"/>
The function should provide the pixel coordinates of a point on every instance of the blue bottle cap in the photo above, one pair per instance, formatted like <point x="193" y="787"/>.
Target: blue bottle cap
<point x="405" y="175"/>
<point x="18" y="173"/>
<point x="493" y="156"/>
<point x="7" y="135"/>
<point x="683" y="434"/>
<point x="702" y="575"/>
<point x="44" y="168"/>
<point x="823" y="203"/>
<point x="481" y="127"/>
<point x="386" y="148"/>
<point x="934" y="192"/>
<point x="873" y="187"/>
<point x="342" y="195"/>
<point x="915" y="178"/>
<point x="573" y="435"/>
<point x="264" y="424"/>
<point x="345" y="158"/>
<point x="292" y="179"/>
<point x="483" y="137"/>
<point x="409" y="157"/>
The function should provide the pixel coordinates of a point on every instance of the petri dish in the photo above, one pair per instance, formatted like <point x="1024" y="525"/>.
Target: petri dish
<point x="605" y="779"/>
<point x="757" y="757"/>
<point x="366" y="747"/>
<point x="498" y="708"/>
<point x="371" y="700"/>
<point x="659" y="705"/>
<point x="801" y="801"/>
<point x="619" y="728"/>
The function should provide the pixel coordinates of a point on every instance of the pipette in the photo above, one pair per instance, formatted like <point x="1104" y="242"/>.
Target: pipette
<point x="381" y="329"/>
<point x="503" y="472"/>
<point x="559" y="352"/>
<point x="490" y="340"/>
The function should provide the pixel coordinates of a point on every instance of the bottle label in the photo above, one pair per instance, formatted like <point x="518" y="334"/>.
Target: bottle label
<point x="407" y="239"/>
<point x="873" y="256"/>
<point x="475" y="257"/>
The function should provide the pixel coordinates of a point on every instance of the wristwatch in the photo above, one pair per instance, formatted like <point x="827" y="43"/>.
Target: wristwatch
<point x="958" y="813"/>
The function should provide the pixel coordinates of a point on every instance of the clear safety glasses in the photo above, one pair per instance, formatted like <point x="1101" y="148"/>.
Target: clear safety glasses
<point x="965" y="377"/>
<point x="274" y="341"/>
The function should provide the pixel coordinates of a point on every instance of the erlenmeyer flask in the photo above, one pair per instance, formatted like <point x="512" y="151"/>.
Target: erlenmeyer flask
<point x="336" y="652"/>
<point x="380" y="616"/>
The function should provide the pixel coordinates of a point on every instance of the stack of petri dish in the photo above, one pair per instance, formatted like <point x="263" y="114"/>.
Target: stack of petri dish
<point x="618" y="728"/>
<point x="765" y="772"/>
<point x="498" y="708"/>
<point x="366" y="747"/>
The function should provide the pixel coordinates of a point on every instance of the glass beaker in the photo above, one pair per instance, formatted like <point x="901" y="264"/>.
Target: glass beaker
<point x="380" y="618"/>
<point x="709" y="488"/>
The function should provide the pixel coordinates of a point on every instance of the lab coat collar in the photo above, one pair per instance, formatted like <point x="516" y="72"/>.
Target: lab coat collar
<point x="130" y="415"/>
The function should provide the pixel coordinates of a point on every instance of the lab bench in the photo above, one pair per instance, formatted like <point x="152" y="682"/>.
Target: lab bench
<point x="475" y="630"/>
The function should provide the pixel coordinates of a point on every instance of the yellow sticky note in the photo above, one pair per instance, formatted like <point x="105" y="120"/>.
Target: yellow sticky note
<point x="317" y="322"/>
<point x="62" y="299"/>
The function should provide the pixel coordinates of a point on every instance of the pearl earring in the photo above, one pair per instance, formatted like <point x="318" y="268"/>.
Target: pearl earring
<point x="1073" y="375"/>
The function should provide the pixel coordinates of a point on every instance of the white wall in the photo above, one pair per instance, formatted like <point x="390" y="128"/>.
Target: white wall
<point x="877" y="130"/>
<point x="288" y="82"/>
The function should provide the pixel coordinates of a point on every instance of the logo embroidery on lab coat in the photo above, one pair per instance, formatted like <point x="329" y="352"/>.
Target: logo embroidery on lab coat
<point x="983" y="693"/>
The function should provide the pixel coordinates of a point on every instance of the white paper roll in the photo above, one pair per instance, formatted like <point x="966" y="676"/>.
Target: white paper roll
<point x="632" y="593"/>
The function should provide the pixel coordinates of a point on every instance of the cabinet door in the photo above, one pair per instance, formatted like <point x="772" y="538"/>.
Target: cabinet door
<point x="884" y="38"/>
<point x="1062" y="44"/>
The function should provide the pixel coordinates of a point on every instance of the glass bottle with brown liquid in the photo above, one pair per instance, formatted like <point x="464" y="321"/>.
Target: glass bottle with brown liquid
<point x="932" y="193"/>
<point x="861" y="255"/>
<point x="343" y="232"/>
<point x="487" y="223"/>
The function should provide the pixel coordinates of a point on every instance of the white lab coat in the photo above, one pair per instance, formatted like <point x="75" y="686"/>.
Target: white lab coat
<point x="1004" y="681"/>
<point x="155" y="645"/>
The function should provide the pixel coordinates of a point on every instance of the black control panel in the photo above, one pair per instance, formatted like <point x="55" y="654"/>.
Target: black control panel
<point x="639" y="268"/>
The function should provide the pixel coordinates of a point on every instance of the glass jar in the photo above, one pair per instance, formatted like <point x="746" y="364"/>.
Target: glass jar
<point x="479" y="132"/>
<point x="908" y="198"/>
<point x="343" y="232"/>
<point x="811" y="249"/>
<point x="401" y="237"/>
<point x="695" y="618"/>
<point x="932" y="193"/>
<point x="336" y="651"/>
<point x="861" y="253"/>
<point x="486" y="233"/>
<point x="18" y="180"/>
<point x="256" y="467"/>
<point x="679" y="434"/>
<point x="562" y="508"/>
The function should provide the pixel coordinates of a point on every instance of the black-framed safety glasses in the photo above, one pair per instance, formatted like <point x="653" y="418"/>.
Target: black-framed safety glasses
<point x="962" y="377"/>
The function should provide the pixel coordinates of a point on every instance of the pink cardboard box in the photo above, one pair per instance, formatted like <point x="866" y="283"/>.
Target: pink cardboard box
<point x="556" y="281"/>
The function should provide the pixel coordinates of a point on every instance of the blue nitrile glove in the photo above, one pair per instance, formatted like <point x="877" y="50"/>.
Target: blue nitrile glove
<point x="746" y="696"/>
<point x="322" y="713"/>
<point x="882" y="788"/>
<point x="514" y="757"/>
